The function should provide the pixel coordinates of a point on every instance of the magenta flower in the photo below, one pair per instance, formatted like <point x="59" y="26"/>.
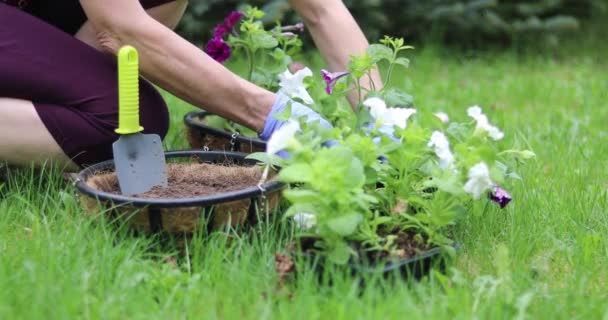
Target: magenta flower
<point x="220" y="31"/>
<point x="232" y="19"/>
<point x="500" y="196"/>
<point x="331" y="78"/>
<point x="218" y="49"/>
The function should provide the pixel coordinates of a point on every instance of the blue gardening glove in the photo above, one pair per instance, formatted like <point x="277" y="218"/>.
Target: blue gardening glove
<point x="297" y="110"/>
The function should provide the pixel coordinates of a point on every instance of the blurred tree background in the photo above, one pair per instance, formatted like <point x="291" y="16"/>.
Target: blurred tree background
<point x="470" y="23"/>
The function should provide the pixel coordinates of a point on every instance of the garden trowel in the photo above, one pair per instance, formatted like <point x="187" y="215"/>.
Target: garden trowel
<point x="139" y="158"/>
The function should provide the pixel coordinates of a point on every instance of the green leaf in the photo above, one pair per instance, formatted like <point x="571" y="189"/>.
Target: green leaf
<point x="299" y="208"/>
<point x="522" y="154"/>
<point x="299" y="172"/>
<point x="396" y="97"/>
<point x="380" y="52"/>
<point x="253" y="12"/>
<point x="340" y="253"/>
<point x="448" y="182"/>
<point x="346" y="224"/>
<point x="263" y="40"/>
<point x="300" y="196"/>
<point x="259" y="156"/>
<point x="403" y="61"/>
<point x="285" y="114"/>
<point x="265" y="158"/>
<point x="356" y="174"/>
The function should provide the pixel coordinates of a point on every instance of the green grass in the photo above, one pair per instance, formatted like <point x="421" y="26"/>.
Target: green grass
<point x="545" y="256"/>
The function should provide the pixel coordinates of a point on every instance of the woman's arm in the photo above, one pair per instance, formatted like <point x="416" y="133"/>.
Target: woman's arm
<point x="176" y="65"/>
<point x="336" y="34"/>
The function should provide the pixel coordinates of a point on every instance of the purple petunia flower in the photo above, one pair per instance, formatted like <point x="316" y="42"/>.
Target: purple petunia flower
<point x="220" y="31"/>
<point x="331" y="78"/>
<point x="500" y="196"/>
<point x="232" y="19"/>
<point x="218" y="49"/>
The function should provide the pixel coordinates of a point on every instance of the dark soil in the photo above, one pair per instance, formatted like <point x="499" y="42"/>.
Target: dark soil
<point x="189" y="180"/>
<point x="406" y="246"/>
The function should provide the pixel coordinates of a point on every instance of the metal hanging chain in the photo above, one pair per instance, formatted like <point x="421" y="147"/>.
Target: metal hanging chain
<point x="262" y="200"/>
<point x="261" y="187"/>
<point x="233" y="141"/>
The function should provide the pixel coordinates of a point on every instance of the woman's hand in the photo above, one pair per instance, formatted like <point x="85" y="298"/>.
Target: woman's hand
<point x="298" y="110"/>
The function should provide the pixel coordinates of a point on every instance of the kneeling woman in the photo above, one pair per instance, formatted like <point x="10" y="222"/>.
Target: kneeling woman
<point x="58" y="90"/>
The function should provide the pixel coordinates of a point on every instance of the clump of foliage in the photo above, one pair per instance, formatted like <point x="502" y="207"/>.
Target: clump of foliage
<point x="383" y="168"/>
<point x="266" y="51"/>
<point x="386" y="168"/>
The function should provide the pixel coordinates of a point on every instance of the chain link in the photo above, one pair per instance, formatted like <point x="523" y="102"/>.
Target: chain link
<point x="233" y="141"/>
<point x="262" y="203"/>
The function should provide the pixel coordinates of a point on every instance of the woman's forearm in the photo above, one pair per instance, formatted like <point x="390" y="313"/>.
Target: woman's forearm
<point x="183" y="69"/>
<point x="336" y="34"/>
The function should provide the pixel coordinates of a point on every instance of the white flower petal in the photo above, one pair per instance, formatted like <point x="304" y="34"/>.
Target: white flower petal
<point x="479" y="180"/>
<point x="474" y="111"/>
<point x="398" y="116"/>
<point x="443" y="117"/>
<point x="292" y="84"/>
<point x="376" y="105"/>
<point x="305" y="220"/>
<point x="483" y="123"/>
<point x="388" y="116"/>
<point x="280" y="138"/>
<point x="442" y="149"/>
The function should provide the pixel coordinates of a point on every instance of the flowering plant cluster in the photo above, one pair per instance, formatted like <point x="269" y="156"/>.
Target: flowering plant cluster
<point x="267" y="53"/>
<point x="390" y="168"/>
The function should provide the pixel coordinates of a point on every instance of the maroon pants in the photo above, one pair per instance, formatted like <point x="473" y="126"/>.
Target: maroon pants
<point x="72" y="85"/>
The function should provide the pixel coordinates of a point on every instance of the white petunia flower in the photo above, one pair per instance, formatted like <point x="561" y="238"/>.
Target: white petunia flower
<point x="305" y="220"/>
<point x="292" y="84"/>
<point x="376" y="106"/>
<point x="280" y="138"/>
<point x="483" y="123"/>
<point x="479" y="180"/>
<point x="388" y="116"/>
<point x="443" y="117"/>
<point x="442" y="149"/>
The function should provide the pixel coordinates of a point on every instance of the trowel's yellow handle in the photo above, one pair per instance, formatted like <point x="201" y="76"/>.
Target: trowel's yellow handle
<point x="128" y="91"/>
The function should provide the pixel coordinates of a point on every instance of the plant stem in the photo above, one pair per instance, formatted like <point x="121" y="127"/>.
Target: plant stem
<point x="371" y="81"/>
<point x="388" y="75"/>
<point x="250" y="59"/>
<point x="390" y="68"/>
<point x="359" y="89"/>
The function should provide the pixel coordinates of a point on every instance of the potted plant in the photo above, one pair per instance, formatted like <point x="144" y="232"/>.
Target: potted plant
<point x="207" y="189"/>
<point x="394" y="180"/>
<point x="267" y="53"/>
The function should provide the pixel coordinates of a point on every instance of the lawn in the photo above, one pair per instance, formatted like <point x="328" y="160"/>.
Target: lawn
<point x="544" y="256"/>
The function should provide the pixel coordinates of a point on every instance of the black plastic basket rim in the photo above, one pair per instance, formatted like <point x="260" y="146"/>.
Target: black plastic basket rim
<point x="397" y="264"/>
<point x="202" y="201"/>
<point x="189" y="121"/>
